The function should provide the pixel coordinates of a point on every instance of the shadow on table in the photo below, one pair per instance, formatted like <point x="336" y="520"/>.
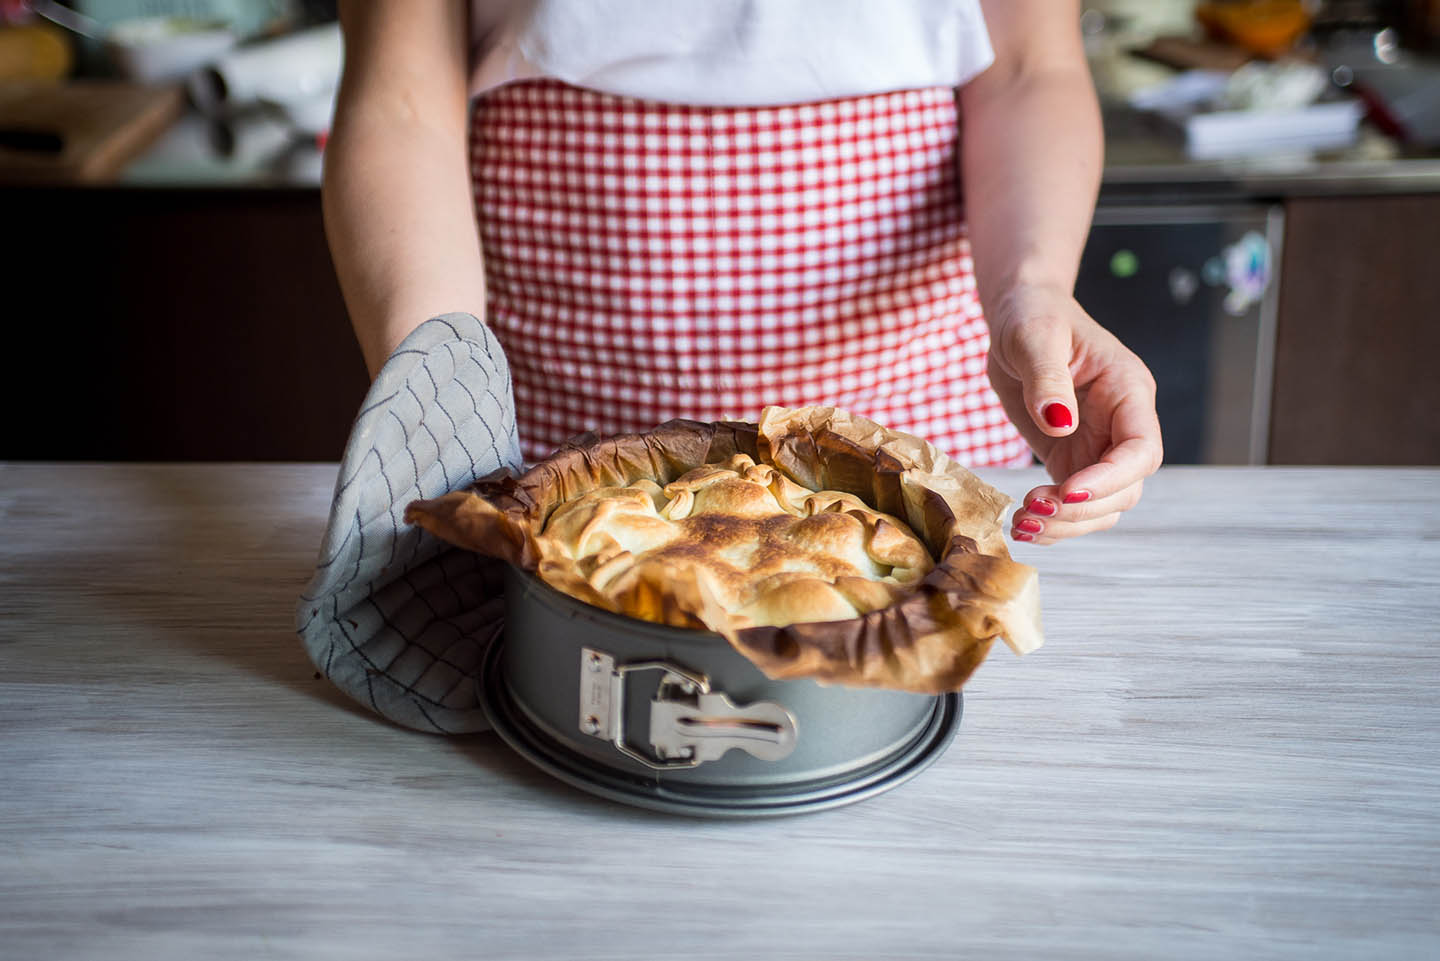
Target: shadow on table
<point x="197" y="578"/>
<point x="148" y="566"/>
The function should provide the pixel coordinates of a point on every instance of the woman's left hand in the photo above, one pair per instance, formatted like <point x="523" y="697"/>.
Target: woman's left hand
<point x="1085" y="404"/>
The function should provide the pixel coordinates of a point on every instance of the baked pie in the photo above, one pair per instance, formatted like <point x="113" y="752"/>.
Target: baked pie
<point x="817" y="543"/>
<point x="760" y="549"/>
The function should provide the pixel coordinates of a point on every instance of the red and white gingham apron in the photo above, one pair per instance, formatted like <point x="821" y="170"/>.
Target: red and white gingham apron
<point x="646" y="261"/>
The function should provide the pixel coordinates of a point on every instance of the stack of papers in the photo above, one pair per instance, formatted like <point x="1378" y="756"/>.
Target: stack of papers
<point x="1200" y="106"/>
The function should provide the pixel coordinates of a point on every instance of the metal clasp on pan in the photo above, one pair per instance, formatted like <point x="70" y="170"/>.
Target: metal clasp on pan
<point x="689" y="723"/>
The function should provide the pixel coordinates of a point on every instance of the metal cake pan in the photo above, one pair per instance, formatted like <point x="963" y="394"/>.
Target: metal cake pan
<point x="677" y="720"/>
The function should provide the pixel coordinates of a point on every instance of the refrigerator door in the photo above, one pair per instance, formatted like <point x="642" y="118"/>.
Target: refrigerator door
<point x="1192" y="291"/>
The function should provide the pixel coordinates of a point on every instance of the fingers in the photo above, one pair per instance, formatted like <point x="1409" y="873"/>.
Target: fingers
<point x="1088" y="401"/>
<point x="1048" y="515"/>
<point x="1039" y="352"/>
<point x="1135" y="450"/>
<point x="1093" y="497"/>
<point x="1121" y="467"/>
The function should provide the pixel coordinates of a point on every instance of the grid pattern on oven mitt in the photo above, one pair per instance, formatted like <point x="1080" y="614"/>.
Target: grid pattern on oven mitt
<point x="393" y="616"/>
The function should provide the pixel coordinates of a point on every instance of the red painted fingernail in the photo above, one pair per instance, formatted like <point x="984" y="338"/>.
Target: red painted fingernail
<point x="1030" y="525"/>
<point x="1077" y="497"/>
<point x="1023" y="537"/>
<point x="1042" y="507"/>
<point x="1057" y="415"/>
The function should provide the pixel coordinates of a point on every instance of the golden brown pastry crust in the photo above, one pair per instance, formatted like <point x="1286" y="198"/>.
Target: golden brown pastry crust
<point x="761" y="548"/>
<point x="598" y="519"/>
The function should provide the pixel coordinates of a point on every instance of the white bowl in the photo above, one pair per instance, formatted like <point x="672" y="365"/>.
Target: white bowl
<point x="161" y="49"/>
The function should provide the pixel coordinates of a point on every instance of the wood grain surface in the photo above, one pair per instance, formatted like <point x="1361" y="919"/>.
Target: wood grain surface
<point x="1228" y="747"/>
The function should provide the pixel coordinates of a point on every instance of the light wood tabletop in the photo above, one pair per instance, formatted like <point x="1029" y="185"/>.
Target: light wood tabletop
<point x="1228" y="747"/>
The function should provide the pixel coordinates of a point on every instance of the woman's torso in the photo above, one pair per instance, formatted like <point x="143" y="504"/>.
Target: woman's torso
<point x="699" y="207"/>
<point x="646" y="261"/>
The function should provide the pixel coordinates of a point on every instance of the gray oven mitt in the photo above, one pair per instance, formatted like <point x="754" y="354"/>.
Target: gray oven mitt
<point x="395" y="617"/>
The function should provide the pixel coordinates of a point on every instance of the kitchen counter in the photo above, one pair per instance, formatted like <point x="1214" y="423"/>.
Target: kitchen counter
<point x="1141" y="170"/>
<point x="1141" y="166"/>
<point x="1229" y="746"/>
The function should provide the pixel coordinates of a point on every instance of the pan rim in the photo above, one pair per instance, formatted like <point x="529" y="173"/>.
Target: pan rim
<point x="552" y="756"/>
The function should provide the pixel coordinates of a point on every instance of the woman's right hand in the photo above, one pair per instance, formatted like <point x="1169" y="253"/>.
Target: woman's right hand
<point x="399" y="207"/>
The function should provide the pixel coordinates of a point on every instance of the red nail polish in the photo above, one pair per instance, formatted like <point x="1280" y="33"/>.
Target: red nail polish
<point x="1077" y="497"/>
<point x="1023" y="537"/>
<point x="1057" y="415"/>
<point x="1042" y="507"/>
<point x="1029" y="525"/>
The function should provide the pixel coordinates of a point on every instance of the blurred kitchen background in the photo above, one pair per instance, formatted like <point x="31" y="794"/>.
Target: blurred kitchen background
<point x="1268" y="234"/>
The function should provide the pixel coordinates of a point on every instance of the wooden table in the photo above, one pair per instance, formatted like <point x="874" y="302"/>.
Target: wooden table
<point x="1229" y="747"/>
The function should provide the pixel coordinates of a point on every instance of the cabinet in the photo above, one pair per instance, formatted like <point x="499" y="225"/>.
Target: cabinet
<point x="175" y="324"/>
<point x="1358" y="332"/>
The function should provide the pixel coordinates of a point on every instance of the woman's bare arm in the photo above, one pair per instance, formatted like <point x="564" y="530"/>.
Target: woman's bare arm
<point x="1032" y="160"/>
<point x="398" y="207"/>
<point x="1033" y="147"/>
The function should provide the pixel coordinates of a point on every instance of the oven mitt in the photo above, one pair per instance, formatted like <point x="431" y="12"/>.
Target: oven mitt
<point x="397" y="618"/>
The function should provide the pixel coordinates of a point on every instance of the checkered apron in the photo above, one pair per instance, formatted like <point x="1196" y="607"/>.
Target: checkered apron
<point x="646" y="261"/>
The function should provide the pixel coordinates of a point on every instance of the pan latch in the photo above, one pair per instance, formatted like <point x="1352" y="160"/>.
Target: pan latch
<point x="689" y="723"/>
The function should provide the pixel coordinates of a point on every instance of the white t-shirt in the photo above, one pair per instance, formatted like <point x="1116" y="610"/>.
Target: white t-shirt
<point x="730" y="52"/>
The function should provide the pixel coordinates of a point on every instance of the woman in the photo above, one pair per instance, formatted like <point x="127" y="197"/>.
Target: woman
<point x="698" y="207"/>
